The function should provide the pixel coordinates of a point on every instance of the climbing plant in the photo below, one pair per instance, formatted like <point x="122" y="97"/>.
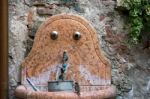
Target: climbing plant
<point x="139" y="17"/>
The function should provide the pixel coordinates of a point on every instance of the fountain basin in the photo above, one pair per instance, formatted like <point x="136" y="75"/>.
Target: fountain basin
<point x="66" y="85"/>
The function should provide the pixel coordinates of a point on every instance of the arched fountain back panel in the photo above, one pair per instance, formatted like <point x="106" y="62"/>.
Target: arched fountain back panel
<point x="74" y="35"/>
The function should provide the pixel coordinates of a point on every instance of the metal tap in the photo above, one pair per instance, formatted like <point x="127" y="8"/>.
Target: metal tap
<point x="63" y="68"/>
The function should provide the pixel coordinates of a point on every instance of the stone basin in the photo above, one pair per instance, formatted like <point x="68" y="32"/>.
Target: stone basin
<point x="107" y="93"/>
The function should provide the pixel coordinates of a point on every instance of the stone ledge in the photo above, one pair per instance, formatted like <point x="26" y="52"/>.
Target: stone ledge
<point x="22" y="93"/>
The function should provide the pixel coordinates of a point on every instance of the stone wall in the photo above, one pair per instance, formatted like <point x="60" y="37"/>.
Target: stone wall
<point x="130" y="66"/>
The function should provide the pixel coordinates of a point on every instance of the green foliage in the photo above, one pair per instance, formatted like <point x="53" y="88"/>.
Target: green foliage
<point x="139" y="15"/>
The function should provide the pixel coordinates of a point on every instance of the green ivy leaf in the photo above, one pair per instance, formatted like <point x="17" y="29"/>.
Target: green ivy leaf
<point x="147" y="10"/>
<point x="139" y="18"/>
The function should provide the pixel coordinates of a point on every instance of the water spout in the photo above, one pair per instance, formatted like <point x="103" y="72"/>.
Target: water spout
<point x="63" y="69"/>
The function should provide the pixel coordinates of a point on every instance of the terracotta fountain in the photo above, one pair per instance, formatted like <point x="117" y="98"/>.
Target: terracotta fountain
<point x="46" y="69"/>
